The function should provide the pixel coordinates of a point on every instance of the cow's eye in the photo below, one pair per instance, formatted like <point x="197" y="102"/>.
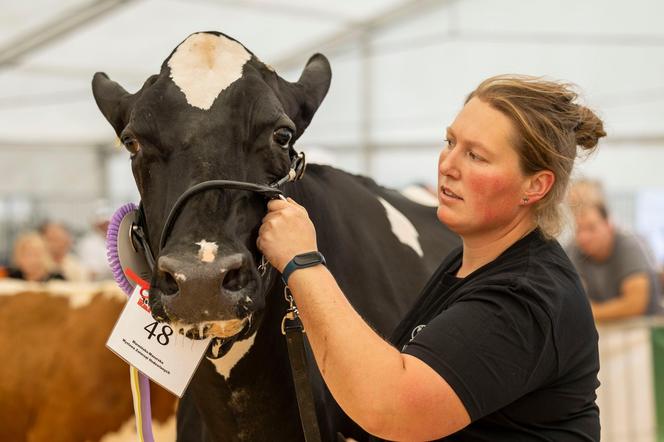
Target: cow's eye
<point x="282" y="137"/>
<point x="131" y="144"/>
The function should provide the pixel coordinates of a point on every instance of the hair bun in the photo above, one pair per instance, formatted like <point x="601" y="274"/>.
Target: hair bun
<point x="589" y="128"/>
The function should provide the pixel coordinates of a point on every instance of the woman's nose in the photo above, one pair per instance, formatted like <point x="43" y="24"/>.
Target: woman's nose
<point x="446" y="163"/>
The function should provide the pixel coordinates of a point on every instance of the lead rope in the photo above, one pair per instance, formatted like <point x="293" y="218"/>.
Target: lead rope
<point x="140" y="388"/>
<point x="140" y="392"/>
<point x="291" y="327"/>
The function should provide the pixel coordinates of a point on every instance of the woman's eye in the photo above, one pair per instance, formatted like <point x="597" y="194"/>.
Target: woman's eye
<point x="283" y="137"/>
<point x="473" y="156"/>
<point x="449" y="143"/>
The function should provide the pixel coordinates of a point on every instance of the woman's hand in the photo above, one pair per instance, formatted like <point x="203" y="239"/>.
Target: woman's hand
<point x="286" y="231"/>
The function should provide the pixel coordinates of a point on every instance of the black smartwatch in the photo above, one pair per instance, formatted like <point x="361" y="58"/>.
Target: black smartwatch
<point x="302" y="261"/>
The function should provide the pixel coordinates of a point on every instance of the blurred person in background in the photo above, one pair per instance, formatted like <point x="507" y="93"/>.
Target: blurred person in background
<point x="59" y="243"/>
<point x="31" y="259"/>
<point x="615" y="266"/>
<point x="585" y="191"/>
<point x="92" y="246"/>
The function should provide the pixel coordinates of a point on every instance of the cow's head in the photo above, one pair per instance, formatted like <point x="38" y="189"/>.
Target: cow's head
<point x="214" y="112"/>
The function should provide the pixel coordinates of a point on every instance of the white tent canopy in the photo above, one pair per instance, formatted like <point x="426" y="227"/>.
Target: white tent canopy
<point x="401" y="69"/>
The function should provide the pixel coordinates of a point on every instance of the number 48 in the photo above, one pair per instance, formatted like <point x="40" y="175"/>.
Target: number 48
<point x="162" y="337"/>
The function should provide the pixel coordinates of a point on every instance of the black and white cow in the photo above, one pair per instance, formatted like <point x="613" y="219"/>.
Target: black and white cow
<point x="215" y="111"/>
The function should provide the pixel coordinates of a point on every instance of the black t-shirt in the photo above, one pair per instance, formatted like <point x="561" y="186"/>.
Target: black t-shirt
<point x="515" y="340"/>
<point x="18" y="274"/>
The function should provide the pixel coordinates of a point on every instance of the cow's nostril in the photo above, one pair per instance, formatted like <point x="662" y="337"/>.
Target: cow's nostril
<point x="235" y="279"/>
<point x="169" y="286"/>
<point x="244" y="307"/>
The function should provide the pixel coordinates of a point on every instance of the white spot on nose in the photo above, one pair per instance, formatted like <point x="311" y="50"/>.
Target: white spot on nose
<point x="207" y="251"/>
<point x="206" y="64"/>
<point x="402" y="228"/>
<point x="180" y="277"/>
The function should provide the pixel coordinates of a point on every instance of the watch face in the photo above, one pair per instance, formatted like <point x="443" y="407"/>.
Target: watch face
<point x="308" y="259"/>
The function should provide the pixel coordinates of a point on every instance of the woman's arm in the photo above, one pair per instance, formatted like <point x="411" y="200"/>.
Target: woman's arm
<point x="389" y="394"/>
<point x="631" y="301"/>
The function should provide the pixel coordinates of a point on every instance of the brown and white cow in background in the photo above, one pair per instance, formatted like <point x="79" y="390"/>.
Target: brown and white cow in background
<point x="58" y="381"/>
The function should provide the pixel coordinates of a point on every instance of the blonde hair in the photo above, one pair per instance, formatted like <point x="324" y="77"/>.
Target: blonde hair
<point x="32" y="238"/>
<point x="549" y="126"/>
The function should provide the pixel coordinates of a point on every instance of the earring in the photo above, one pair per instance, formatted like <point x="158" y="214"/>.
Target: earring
<point x="524" y="200"/>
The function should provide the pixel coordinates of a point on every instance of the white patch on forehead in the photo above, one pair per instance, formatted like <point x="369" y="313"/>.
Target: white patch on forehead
<point x="225" y="364"/>
<point x="402" y="228"/>
<point x="206" y="64"/>
<point x="207" y="251"/>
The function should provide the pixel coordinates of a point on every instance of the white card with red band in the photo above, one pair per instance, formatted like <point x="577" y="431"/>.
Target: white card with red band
<point x="155" y="349"/>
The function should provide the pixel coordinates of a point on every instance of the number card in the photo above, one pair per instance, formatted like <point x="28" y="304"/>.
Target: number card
<point x="154" y="348"/>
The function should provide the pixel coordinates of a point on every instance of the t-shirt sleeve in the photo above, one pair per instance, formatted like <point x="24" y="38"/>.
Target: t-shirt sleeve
<point x="491" y="348"/>
<point x="631" y="257"/>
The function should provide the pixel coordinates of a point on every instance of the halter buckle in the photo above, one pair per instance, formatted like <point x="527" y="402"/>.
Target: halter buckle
<point x="262" y="268"/>
<point x="291" y="314"/>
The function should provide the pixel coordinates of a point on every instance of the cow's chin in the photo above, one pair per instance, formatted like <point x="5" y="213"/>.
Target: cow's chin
<point x="215" y="329"/>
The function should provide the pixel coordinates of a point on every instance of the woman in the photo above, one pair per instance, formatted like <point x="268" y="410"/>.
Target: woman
<point x="31" y="259"/>
<point x="501" y="344"/>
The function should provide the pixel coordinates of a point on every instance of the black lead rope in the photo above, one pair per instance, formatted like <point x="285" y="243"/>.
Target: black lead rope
<point x="291" y="327"/>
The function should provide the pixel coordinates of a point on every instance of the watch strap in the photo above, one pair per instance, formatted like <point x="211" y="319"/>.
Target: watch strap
<point x="310" y="259"/>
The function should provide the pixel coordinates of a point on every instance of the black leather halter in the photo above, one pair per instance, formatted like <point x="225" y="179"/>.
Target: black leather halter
<point x="271" y="191"/>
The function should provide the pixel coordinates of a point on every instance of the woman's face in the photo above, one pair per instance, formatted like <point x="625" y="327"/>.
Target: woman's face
<point x="31" y="260"/>
<point x="480" y="183"/>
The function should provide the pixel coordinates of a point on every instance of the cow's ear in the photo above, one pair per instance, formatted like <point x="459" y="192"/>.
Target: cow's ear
<point x="110" y="97"/>
<point x="314" y="84"/>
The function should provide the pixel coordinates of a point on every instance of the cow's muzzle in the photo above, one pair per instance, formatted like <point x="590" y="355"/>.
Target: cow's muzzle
<point x="214" y="298"/>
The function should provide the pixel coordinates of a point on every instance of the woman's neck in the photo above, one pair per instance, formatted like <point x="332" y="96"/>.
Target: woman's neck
<point x="479" y="250"/>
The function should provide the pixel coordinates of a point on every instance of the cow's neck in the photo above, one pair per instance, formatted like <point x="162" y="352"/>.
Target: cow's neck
<point x="256" y="401"/>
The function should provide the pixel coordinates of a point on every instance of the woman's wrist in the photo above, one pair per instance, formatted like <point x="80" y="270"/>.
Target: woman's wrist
<point x="302" y="261"/>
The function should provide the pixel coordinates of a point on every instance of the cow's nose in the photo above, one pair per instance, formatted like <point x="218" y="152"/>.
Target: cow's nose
<point x="192" y="290"/>
<point x="230" y="273"/>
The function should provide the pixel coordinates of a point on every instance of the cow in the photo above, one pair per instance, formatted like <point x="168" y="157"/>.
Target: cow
<point x="215" y="111"/>
<point x="58" y="382"/>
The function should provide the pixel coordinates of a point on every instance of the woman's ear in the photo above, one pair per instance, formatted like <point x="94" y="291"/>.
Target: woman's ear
<point x="538" y="185"/>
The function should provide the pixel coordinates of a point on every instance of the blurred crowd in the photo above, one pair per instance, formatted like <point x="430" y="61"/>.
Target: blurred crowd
<point x="51" y="252"/>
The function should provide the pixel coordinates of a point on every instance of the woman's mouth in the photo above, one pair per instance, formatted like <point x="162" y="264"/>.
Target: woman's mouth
<point x="447" y="192"/>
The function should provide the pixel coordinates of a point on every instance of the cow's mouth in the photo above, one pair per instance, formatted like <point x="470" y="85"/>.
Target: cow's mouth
<point x="216" y="329"/>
